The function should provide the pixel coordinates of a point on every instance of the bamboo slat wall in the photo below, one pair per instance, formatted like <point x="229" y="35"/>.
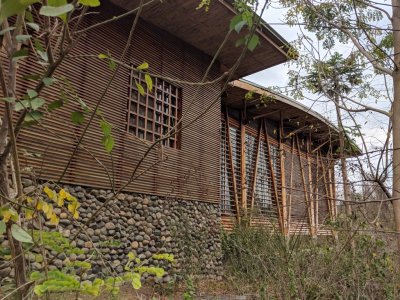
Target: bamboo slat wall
<point x="298" y="179"/>
<point x="190" y="172"/>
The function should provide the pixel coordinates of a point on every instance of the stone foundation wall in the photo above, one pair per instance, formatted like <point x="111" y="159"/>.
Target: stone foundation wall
<point x="142" y="224"/>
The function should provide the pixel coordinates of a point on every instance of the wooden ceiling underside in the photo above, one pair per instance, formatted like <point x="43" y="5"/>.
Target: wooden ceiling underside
<point x="294" y="115"/>
<point x="207" y="30"/>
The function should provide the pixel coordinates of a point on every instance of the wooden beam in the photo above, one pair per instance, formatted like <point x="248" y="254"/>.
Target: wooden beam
<point x="232" y="165"/>
<point x="283" y="180"/>
<point x="243" y="165"/>
<point x="271" y="168"/>
<point x="304" y="186"/>
<point x="265" y="114"/>
<point x="253" y="189"/>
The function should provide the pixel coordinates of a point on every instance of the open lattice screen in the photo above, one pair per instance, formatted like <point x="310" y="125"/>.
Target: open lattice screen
<point x="264" y="198"/>
<point x="154" y="114"/>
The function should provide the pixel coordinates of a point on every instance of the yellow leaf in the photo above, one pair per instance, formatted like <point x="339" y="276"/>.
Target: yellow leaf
<point x="54" y="220"/>
<point x="76" y="214"/>
<point x="48" y="192"/>
<point x="29" y="214"/>
<point x="63" y="194"/>
<point x="29" y="200"/>
<point x="39" y="206"/>
<point x="70" y="198"/>
<point x="49" y="213"/>
<point x="60" y="201"/>
<point x="6" y="215"/>
<point x="45" y="207"/>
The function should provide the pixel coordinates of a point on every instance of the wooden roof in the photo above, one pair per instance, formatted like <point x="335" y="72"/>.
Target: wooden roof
<point x="207" y="30"/>
<point x="294" y="114"/>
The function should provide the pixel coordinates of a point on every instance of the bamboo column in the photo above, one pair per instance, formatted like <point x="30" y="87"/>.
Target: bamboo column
<point x="271" y="168"/>
<point x="310" y="188"/>
<point x="306" y="195"/>
<point x="243" y="166"/>
<point x="253" y="189"/>
<point x="232" y="166"/>
<point x="285" y="223"/>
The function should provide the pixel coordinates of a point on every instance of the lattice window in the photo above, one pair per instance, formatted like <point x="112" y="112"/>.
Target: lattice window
<point x="156" y="113"/>
<point x="226" y="178"/>
<point x="264" y="197"/>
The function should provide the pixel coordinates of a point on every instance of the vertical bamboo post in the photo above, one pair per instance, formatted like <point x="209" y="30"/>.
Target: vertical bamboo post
<point x="253" y="189"/>
<point x="310" y="186"/>
<point x="316" y="198"/>
<point x="291" y="185"/>
<point x="243" y="165"/>
<point x="309" y="213"/>
<point x="271" y="168"/>
<point x="283" y="180"/>
<point x="232" y="166"/>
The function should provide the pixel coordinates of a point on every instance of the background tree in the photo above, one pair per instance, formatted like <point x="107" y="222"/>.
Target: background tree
<point x="374" y="31"/>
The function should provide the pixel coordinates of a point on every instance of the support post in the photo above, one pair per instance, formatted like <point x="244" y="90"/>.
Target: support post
<point x="232" y="165"/>
<point x="283" y="180"/>
<point x="271" y="169"/>
<point x="310" y="187"/>
<point x="243" y="166"/>
<point x="253" y="189"/>
<point x="306" y="198"/>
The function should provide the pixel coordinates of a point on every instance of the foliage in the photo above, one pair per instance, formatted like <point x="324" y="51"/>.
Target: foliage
<point x="302" y="268"/>
<point x="69" y="279"/>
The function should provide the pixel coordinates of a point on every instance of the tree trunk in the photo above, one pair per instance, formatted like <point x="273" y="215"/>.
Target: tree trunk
<point x="396" y="120"/>
<point x="17" y="251"/>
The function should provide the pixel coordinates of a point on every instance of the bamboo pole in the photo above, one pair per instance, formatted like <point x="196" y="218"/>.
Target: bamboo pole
<point x="283" y="180"/>
<point x="271" y="168"/>
<point x="232" y="166"/>
<point x="291" y="186"/>
<point x="243" y="166"/>
<point x="253" y="189"/>
<point x="310" y="187"/>
<point x="304" y="187"/>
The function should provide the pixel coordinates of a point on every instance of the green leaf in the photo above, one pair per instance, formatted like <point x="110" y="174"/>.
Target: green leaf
<point x="2" y="227"/>
<point x="20" y="54"/>
<point x="77" y="117"/>
<point x="20" y="234"/>
<point x="108" y="143"/>
<point x="37" y="103"/>
<point x="12" y="7"/>
<point x="55" y="104"/>
<point x="103" y="56"/>
<point x="34" y="26"/>
<point x="55" y="11"/>
<point x="8" y="99"/>
<point x="28" y="16"/>
<point x="6" y="30"/>
<point x="143" y="66"/>
<point x="149" y="82"/>
<point x="35" y="276"/>
<point x="105" y="127"/>
<point x="240" y="42"/>
<point x="136" y="283"/>
<point x="253" y="43"/>
<point x="21" y="38"/>
<point x="48" y="81"/>
<point x="31" y="77"/>
<point x="24" y="104"/>
<point x="33" y="117"/>
<point x="140" y="88"/>
<point x="234" y="21"/>
<point x="91" y="3"/>
<point x="31" y="93"/>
